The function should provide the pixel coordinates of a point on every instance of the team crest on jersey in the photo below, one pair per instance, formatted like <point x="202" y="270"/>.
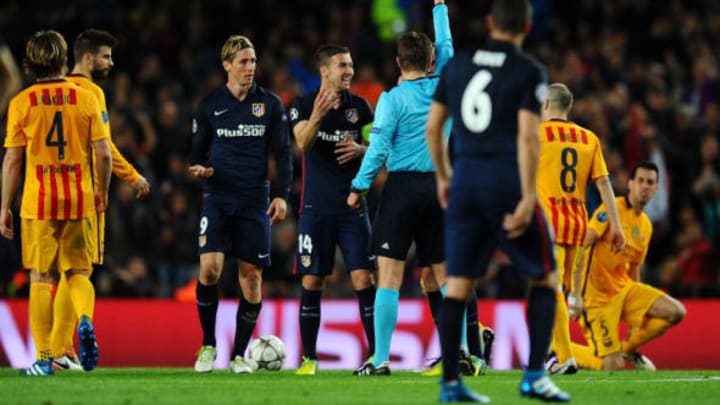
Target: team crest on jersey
<point x="351" y="114"/>
<point x="607" y="342"/>
<point x="202" y="241"/>
<point x="258" y="109"/>
<point x="294" y="114"/>
<point x="602" y="216"/>
<point x="635" y="232"/>
<point x="305" y="260"/>
<point x="105" y="117"/>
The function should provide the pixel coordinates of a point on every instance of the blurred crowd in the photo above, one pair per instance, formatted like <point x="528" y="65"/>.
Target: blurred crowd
<point x="644" y="74"/>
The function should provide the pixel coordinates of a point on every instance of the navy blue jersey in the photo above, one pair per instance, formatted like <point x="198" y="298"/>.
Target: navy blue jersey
<point x="484" y="91"/>
<point x="234" y="138"/>
<point x="326" y="183"/>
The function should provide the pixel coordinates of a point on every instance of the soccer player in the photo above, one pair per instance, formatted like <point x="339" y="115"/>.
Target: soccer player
<point x="53" y="124"/>
<point x="408" y="210"/>
<point x="93" y="61"/>
<point x="570" y="156"/>
<point x="327" y="124"/>
<point x="494" y="95"/>
<point x="608" y="288"/>
<point x="234" y="128"/>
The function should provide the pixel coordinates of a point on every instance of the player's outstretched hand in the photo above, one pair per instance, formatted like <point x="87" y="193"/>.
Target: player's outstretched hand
<point x="142" y="188"/>
<point x="353" y="200"/>
<point x="201" y="171"/>
<point x="6" y="224"/>
<point x="347" y="149"/>
<point x="277" y="210"/>
<point x="517" y="223"/>
<point x="617" y="239"/>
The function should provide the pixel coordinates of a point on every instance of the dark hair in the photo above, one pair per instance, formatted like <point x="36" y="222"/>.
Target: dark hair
<point x="90" y="41"/>
<point x="645" y="164"/>
<point x="45" y="55"/>
<point x="511" y="15"/>
<point x="327" y="51"/>
<point x="414" y="50"/>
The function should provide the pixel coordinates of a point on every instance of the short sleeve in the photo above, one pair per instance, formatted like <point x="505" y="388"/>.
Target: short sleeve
<point x="298" y="112"/>
<point x="15" y="135"/>
<point x="599" y="221"/>
<point x="535" y="89"/>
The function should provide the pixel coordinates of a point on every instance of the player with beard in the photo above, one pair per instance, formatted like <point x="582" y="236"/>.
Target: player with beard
<point x="93" y="61"/>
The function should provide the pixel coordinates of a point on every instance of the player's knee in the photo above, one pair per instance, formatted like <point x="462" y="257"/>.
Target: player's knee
<point x="312" y="282"/>
<point x="38" y="277"/>
<point x="209" y="274"/>
<point x="613" y="362"/>
<point x="361" y="279"/>
<point x="428" y="281"/>
<point x="678" y="313"/>
<point x="252" y="277"/>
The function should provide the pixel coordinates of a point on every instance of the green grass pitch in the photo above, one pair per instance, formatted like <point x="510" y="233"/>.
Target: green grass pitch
<point x="131" y="386"/>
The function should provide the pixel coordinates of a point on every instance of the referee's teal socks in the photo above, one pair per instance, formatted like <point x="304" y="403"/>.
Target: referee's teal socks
<point x="386" y="314"/>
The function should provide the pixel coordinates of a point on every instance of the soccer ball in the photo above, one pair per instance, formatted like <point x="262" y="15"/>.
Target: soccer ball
<point x="268" y="352"/>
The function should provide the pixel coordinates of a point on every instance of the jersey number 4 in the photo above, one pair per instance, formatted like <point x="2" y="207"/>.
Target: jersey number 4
<point x="56" y="136"/>
<point x="476" y="106"/>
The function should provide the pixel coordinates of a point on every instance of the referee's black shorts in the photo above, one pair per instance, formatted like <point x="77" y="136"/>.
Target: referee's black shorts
<point x="409" y="211"/>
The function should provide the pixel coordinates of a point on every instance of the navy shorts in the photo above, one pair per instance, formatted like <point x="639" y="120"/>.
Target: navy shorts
<point x="236" y="227"/>
<point x="320" y="233"/>
<point x="474" y="230"/>
<point x="409" y="212"/>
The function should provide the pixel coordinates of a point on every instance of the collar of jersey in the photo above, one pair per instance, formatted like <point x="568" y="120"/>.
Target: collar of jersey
<point x="251" y="92"/>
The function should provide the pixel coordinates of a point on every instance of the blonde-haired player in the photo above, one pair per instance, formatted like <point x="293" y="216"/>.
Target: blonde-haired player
<point x="53" y="125"/>
<point x="570" y="156"/>
<point x="93" y="60"/>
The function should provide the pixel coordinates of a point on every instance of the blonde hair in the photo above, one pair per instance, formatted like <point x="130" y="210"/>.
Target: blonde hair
<point x="233" y="45"/>
<point x="46" y="54"/>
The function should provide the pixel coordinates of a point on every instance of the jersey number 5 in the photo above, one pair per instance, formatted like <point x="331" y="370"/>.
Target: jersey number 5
<point x="476" y="106"/>
<point x="56" y="136"/>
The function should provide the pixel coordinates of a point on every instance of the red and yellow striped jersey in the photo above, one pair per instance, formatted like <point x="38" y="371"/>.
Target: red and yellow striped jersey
<point x="56" y="121"/>
<point x="120" y="166"/>
<point x="570" y="156"/>
<point x="606" y="273"/>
